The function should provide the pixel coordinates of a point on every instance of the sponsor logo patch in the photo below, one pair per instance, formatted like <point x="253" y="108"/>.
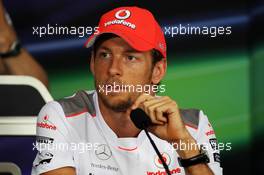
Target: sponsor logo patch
<point x="45" y="124"/>
<point x="105" y="167"/>
<point x="173" y="171"/>
<point x="213" y="143"/>
<point x="120" y="16"/>
<point x="211" y="132"/>
<point x="45" y="158"/>
<point x="217" y="157"/>
<point x="46" y="140"/>
<point x="103" y="152"/>
<point x="165" y="157"/>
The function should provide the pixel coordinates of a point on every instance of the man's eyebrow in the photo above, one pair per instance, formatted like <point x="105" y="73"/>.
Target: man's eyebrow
<point x="132" y="51"/>
<point x="104" y="48"/>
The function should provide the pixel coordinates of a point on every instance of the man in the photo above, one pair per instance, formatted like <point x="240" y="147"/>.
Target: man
<point x="129" y="50"/>
<point x="14" y="59"/>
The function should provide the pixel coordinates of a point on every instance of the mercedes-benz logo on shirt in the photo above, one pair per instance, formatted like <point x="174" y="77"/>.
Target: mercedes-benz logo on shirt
<point x="103" y="152"/>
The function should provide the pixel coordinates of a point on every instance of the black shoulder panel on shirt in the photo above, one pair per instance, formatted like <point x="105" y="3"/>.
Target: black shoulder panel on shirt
<point x="190" y="117"/>
<point x="80" y="102"/>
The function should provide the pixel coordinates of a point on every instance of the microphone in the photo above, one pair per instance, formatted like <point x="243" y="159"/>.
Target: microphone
<point x="142" y="121"/>
<point x="140" y="118"/>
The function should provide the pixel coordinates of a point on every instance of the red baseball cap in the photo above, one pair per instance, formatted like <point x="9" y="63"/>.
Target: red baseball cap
<point x="135" y="25"/>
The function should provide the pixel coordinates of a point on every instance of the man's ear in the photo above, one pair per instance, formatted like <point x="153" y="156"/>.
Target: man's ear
<point x="159" y="71"/>
<point x="92" y="63"/>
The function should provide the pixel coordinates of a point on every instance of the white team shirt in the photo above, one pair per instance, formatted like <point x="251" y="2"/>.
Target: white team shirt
<point x="69" y="134"/>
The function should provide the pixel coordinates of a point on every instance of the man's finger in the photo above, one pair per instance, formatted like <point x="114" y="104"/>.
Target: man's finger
<point x="151" y="109"/>
<point x="140" y="99"/>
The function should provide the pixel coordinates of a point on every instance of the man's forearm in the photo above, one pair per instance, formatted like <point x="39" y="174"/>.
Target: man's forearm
<point x="24" y="64"/>
<point x="21" y="64"/>
<point x="2" y="16"/>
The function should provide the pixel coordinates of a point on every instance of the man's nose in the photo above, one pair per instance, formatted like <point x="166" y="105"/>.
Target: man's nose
<point x="115" y="67"/>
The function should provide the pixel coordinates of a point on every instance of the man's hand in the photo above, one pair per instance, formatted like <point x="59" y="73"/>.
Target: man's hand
<point x="168" y="125"/>
<point x="165" y="116"/>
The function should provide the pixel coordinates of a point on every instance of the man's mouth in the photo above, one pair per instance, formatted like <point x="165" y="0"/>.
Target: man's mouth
<point x="111" y="87"/>
<point x="115" y="87"/>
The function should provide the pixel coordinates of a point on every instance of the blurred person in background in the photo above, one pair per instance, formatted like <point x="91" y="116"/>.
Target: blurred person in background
<point x="14" y="59"/>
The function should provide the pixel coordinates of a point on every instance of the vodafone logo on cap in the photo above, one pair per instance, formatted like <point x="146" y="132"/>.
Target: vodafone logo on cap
<point x="122" y="14"/>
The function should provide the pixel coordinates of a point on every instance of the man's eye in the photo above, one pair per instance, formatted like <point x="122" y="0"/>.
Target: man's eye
<point x="104" y="55"/>
<point x="131" y="58"/>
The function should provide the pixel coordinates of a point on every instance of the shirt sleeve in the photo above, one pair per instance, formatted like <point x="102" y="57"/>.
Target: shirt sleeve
<point x="206" y="137"/>
<point x="52" y="140"/>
